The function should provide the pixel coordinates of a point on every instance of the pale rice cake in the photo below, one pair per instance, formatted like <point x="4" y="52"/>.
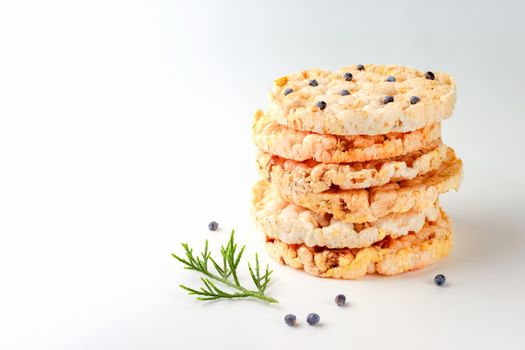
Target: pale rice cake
<point x="311" y="176"/>
<point x="288" y="143"/>
<point x="362" y="100"/>
<point x="368" y="205"/>
<point x="293" y="224"/>
<point x="388" y="257"/>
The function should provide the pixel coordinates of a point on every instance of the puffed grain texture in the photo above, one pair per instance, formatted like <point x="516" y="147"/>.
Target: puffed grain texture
<point x="368" y="205"/>
<point x="311" y="176"/>
<point x="288" y="143"/>
<point x="363" y="111"/>
<point x="292" y="224"/>
<point x="388" y="257"/>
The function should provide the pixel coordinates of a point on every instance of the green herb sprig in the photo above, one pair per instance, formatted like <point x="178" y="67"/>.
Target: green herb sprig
<point x="225" y="273"/>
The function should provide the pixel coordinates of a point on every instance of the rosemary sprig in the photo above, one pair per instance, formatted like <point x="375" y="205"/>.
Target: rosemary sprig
<point x="225" y="273"/>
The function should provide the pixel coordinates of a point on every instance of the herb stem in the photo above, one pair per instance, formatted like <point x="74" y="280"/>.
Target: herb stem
<point x="226" y="274"/>
<point x="245" y="292"/>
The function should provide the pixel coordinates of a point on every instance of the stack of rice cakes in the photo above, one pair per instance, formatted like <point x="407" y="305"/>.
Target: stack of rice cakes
<point x="353" y="164"/>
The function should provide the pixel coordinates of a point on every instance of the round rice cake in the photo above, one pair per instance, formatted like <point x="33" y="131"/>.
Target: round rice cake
<point x="387" y="257"/>
<point x="310" y="176"/>
<point x="368" y="205"/>
<point x="362" y="100"/>
<point x="288" y="143"/>
<point x="293" y="224"/>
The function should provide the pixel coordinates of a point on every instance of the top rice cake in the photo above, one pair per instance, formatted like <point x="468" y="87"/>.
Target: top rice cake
<point x="362" y="100"/>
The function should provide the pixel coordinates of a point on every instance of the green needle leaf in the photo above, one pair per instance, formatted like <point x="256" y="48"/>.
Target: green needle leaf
<point x="225" y="275"/>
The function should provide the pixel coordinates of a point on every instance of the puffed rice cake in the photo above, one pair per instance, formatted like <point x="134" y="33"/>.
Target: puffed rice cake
<point x="293" y="224"/>
<point x="314" y="177"/>
<point x="387" y="257"/>
<point x="351" y="101"/>
<point x="288" y="143"/>
<point x="353" y="164"/>
<point x="370" y="204"/>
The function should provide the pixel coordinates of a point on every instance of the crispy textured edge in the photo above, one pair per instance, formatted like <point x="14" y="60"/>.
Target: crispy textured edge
<point x="367" y="205"/>
<point x="289" y="143"/>
<point x="406" y="253"/>
<point x="372" y="121"/>
<point x="319" y="177"/>
<point x="313" y="229"/>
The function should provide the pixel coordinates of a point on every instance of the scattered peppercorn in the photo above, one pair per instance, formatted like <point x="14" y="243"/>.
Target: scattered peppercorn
<point x="414" y="100"/>
<point x="345" y="92"/>
<point x="340" y="300"/>
<point x="290" y="319"/>
<point x="313" y="82"/>
<point x="321" y="105"/>
<point x="213" y="226"/>
<point x="313" y="319"/>
<point x="430" y="76"/>
<point x="360" y="67"/>
<point x="390" y="79"/>
<point x="348" y="76"/>
<point x="439" y="280"/>
<point x="287" y="91"/>
<point x="388" y="99"/>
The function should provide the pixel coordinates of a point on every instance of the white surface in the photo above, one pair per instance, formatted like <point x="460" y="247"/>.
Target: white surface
<point x="125" y="128"/>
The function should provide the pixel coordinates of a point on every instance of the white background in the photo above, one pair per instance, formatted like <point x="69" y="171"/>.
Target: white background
<point x="125" y="129"/>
